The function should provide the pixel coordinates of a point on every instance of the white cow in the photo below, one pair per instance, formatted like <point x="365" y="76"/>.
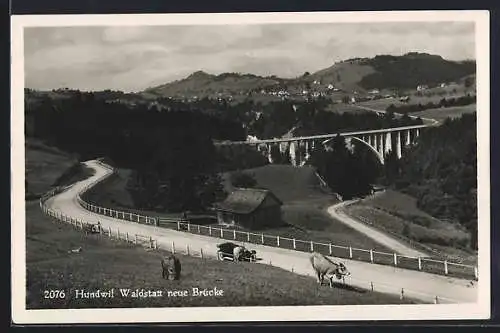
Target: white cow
<point x="324" y="266"/>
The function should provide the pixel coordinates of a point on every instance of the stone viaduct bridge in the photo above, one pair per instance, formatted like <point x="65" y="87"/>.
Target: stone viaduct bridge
<point x="379" y="141"/>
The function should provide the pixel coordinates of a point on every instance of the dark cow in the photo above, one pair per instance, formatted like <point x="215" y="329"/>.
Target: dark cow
<point x="324" y="266"/>
<point x="171" y="268"/>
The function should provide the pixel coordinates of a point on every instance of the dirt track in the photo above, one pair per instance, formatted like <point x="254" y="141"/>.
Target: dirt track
<point x="419" y="285"/>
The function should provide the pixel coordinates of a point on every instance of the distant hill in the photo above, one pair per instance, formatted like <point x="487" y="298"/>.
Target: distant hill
<point x="357" y="74"/>
<point x="202" y="84"/>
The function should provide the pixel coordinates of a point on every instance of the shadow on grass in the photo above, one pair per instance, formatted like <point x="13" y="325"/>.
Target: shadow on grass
<point x="344" y="286"/>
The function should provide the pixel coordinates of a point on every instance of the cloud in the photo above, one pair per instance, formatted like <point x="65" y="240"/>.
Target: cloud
<point x="133" y="58"/>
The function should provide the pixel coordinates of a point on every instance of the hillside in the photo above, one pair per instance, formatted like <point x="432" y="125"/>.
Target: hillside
<point x="202" y="84"/>
<point x="105" y="263"/>
<point x="286" y="182"/>
<point x="441" y="173"/>
<point x="383" y="72"/>
<point x="44" y="165"/>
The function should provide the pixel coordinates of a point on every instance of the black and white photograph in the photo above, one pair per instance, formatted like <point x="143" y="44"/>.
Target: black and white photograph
<point x="250" y="167"/>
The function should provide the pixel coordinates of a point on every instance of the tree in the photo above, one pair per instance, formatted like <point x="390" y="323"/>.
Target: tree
<point x="243" y="179"/>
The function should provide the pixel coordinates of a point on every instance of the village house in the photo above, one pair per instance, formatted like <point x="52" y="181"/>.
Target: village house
<point x="250" y="208"/>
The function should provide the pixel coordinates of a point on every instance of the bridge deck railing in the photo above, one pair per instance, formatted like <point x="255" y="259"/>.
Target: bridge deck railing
<point x="424" y="264"/>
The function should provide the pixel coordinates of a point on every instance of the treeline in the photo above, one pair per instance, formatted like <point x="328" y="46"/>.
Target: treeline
<point x="441" y="172"/>
<point x="443" y="103"/>
<point x="171" y="152"/>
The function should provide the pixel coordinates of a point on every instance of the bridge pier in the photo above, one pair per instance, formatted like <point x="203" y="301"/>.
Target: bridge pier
<point x="269" y="155"/>
<point x="381" y="144"/>
<point x="388" y="142"/>
<point x="292" y="151"/>
<point x="398" y="144"/>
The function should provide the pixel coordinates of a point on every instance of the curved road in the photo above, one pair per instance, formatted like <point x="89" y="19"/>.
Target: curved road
<point x="336" y="212"/>
<point x="418" y="285"/>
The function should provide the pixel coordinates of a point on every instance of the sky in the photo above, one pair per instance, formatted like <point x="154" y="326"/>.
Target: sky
<point x="134" y="58"/>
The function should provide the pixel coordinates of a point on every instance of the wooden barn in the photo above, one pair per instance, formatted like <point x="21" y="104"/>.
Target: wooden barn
<point x="250" y="208"/>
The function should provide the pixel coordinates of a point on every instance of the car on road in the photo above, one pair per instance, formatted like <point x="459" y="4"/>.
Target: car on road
<point x="226" y="251"/>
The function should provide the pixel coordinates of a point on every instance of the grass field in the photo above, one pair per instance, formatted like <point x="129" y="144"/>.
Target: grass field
<point x="105" y="264"/>
<point x="47" y="167"/>
<point x="398" y="213"/>
<point x="44" y="165"/>
<point x="304" y="207"/>
<point x="382" y="104"/>
<point x="443" y="113"/>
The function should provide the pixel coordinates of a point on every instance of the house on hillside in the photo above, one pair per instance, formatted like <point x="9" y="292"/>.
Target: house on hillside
<point x="250" y="208"/>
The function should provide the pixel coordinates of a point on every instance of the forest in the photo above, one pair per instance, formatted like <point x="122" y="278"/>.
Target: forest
<point x="170" y="147"/>
<point x="441" y="172"/>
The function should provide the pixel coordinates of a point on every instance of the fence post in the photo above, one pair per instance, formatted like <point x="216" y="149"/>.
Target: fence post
<point x="294" y="244"/>
<point x="402" y="294"/>
<point x="126" y="237"/>
<point x="109" y="232"/>
<point x="199" y="229"/>
<point x="475" y="272"/>
<point x="395" y="259"/>
<point x="278" y="241"/>
<point x="262" y="238"/>
<point x="221" y="233"/>
<point x="371" y="285"/>
<point x="173" y="247"/>
<point x="445" y="267"/>
<point x="201" y="253"/>
<point x="248" y="237"/>
<point x="118" y="233"/>
<point x="312" y="246"/>
<point x="371" y="256"/>
<point x="350" y="252"/>
<point x="187" y="249"/>
<point x="330" y="250"/>
<point x="419" y="263"/>
<point x="150" y="242"/>
<point x="234" y="233"/>
<point x="189" y="227"/>
<point x="138" y="218"/>
<point x="210" y="230"/>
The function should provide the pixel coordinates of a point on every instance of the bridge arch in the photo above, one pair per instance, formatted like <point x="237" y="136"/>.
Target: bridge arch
<point x="373" y="149"/>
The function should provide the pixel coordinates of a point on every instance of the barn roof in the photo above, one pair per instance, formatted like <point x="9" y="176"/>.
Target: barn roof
<point x="245" y="200"/>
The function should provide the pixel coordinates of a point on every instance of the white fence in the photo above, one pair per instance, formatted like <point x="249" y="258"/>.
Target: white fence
<point x="368" y="255"/>
<point x="149" y="242"/>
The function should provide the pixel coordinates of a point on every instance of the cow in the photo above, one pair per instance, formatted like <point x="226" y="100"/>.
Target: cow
<point x="171" y="268"/>
<point x="324" y="266"/>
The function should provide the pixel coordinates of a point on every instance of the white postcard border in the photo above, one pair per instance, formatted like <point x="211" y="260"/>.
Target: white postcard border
<point x="479" y="310"/>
